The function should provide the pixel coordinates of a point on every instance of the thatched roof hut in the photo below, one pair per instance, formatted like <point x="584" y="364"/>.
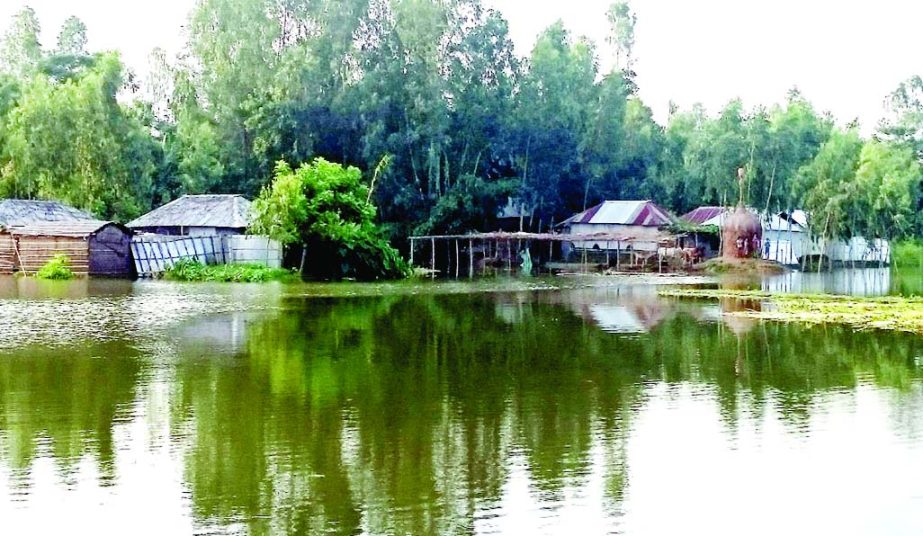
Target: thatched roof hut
<point x="197" y="215"/>
<point x="27" y="211"/>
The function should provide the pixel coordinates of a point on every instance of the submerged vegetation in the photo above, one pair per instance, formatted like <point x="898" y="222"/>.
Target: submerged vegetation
<point x="57" y="268"/>
<point x="191" y="270"/>
<point x="879" y="312"/>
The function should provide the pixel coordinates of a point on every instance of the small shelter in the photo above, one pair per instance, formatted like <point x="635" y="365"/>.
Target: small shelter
<point x="94" y="247"/>
<point x="706" y="216"/>
<point x="197" y="215"/>
<point x="638" y="220"/>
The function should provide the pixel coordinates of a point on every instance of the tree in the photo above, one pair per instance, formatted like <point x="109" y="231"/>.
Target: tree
<point x="72" y="39"/>
<point x="20" y="49"/>
<point x="887" y="183"/>
<point x="904" y="123"/>
<point x="325" y="207"/>
<point x="74" y="142"/>
<point x="827" y="188"/>
<point x="622" y="22"/>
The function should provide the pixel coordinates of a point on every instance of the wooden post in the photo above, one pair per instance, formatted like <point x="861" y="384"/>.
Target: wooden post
<point x="411" y="252"/>
<point x="432" y="262"/>
<point x="304" y="253"/>
<point x="607" y="255"/>
<point x="618" y="255"/>
<point x="470" y="258"/>
<point x="457" y="258"/>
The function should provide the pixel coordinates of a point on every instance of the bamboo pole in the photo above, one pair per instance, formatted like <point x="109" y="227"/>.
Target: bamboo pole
<point x="411" y="252"/>
<point x="470" y="259"/>
<point x="457" y="259"/>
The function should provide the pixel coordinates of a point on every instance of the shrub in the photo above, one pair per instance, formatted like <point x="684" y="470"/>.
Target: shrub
<point x="57" y="268"/>
<point x="192" y="270"/>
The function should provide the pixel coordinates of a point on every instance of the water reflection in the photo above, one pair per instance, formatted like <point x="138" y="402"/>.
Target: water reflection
<point x="495" y="413"/>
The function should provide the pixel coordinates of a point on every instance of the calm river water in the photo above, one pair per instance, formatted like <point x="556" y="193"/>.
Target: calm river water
<point x="519" y="408"/>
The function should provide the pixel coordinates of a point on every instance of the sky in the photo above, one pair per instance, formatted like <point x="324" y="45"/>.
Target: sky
<point x="845" y="56"/>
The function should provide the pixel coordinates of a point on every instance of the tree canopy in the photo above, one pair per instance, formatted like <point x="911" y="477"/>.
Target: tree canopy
<point x="435" y="88"/>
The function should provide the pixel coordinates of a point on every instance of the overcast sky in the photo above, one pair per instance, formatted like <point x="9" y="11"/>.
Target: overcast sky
<point x="844" y="55"/>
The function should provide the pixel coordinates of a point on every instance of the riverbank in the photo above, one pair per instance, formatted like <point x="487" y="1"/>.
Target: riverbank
<point x="884" y="312"/>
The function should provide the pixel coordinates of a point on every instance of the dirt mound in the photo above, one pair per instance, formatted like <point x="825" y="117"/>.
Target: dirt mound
<point x="742" y="266"/>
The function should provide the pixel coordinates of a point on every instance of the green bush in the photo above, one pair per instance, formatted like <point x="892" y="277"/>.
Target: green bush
<point x="327" y="208"/>
<point x="908" y="254"/>
<point x="57" y="268"/>
<point x="192" y="270"/>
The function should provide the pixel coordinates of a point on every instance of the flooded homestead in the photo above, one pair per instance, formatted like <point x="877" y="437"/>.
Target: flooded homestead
<point x="546" y="406"/>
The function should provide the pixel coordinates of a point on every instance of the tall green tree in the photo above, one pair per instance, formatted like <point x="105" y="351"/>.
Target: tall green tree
<point x="72" y="39"/>
<point x="20" y="49"/>
<point x="73" y="141"/>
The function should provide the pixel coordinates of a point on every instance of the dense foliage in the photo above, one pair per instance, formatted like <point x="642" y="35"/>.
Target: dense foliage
<point x="327" y="209"/>
<point x="434" y="88"/>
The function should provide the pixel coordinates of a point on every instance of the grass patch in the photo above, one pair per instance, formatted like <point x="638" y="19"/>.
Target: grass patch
<point x="190" y="270"/>
<point x="880" y="312"/>
<point x="58" y="268"/>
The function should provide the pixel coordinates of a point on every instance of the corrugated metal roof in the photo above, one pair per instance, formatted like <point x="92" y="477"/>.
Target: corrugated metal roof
<point x="702" y="215"/>
<point x="26" y="211"/>
<point x="230" y="211"/>
<point x="70" y="229"/>
<point x="643" y="213"/>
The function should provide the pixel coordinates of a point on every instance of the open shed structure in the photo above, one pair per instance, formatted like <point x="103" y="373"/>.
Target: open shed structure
<point x="94" y="247"/>
<point x="197" y="215"/>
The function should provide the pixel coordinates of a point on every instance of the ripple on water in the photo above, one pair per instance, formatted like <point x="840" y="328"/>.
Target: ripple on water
<point x="60" y="322"/>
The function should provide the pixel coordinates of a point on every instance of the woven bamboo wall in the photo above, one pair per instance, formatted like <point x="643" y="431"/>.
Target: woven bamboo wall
<point x="7" y="254"/>
<point x="35" y="251"/>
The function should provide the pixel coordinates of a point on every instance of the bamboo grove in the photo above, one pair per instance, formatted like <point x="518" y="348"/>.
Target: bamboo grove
<point x="429" y="95"/>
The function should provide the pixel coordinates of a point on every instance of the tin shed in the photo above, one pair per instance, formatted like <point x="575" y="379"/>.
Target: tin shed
<point x="99" y="248"/>
<point x="197" y="215"/>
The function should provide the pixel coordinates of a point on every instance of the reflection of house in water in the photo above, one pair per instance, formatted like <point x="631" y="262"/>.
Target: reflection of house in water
<point x="224" y="334"/>
<point x="858" y="282"/>
<point x="623" y="309"/>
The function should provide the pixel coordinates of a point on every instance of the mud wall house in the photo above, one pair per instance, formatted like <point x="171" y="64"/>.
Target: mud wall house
<point x="93" y="247"/>
<point x="197" y="215"/>
<point x="639" y="222"/>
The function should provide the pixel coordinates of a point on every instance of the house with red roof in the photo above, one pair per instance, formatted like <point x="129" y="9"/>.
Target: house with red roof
<point x="627" y="224"/>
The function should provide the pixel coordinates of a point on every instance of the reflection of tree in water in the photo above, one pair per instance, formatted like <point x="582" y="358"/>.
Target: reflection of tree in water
<point x="396" y="415"/>
<point x="67" y="402"/>
<point x="405" y="414"/>
<point x="402" y="415"/>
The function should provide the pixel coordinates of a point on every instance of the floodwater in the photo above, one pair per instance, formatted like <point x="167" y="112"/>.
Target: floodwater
<point x="490" y="408"/>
